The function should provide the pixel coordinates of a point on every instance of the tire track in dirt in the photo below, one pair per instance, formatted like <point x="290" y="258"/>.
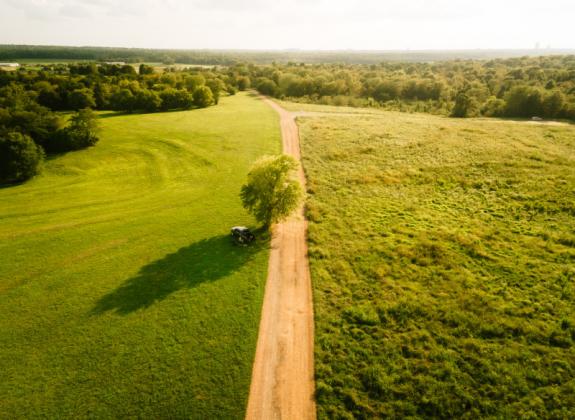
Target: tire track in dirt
<point x="282" y="384"/>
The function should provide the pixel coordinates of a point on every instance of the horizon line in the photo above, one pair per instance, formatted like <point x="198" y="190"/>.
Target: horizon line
<point x="294" y="49"/>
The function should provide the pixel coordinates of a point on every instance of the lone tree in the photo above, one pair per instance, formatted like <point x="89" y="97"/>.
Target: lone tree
<point x="272" y="193"/>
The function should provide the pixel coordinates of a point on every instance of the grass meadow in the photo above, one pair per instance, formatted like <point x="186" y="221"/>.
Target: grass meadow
<point x="121" y="295"/>
<point x="442" y="255"/>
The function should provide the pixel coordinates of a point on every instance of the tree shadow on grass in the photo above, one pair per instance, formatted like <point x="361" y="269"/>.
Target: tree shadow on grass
<point x="204" y="261"/>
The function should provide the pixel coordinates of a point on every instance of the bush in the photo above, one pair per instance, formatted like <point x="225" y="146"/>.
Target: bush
<point x="81" y="98"/>
<point x="80" y="134"/>
<point x="146" y="100"/>
<point x="554" y="104"/>
<point x="524" y="101"/>
<point x="267" y="87"/>
<point x="203" y="97"/>
<point x="122" y="100"/>
<point x="20" y="157"/>
<point x="145" y="69"/>
<point x="243" y="83"/>
<point x="216" y="86"/>
<point x="465" y="106"/>
<point x="494" y="107"/>
<point x="18" y="112"/>
<point x="176" y="99"/>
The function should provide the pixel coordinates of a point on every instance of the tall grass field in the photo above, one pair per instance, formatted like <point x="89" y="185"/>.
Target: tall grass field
<point x="121" y="295"/>
<point x="443" y="265"/>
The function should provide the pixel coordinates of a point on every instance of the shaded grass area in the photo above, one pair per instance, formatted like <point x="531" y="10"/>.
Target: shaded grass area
<point x="207" y="260"/>
<point x="443" y="262"/>
<point x="121" y="294"/>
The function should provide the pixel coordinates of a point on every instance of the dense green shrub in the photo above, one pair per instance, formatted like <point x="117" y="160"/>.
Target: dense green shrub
<point x="494" y="107"/>
<point x="122" y="100"/>
<point x="79" y="134"/>
<point x="203" y="97"/>
<point x="48" y="95"/>
<point x="20" y="157"/>
<point x="216" y="86"/>
<point x="194" y="81"/>
<point x="267" y="87"/>
<point x="465" y="106"/>
<point x="243" y="83"/>
<point x="524" y="101"/>
<point x="176" y="99"/>
<point x="554" y="104"/>
<point x="19" y="112"/>
<point x="146" y="100"/>
<point x="81" y="98"/>
<point x="145" y="69"/>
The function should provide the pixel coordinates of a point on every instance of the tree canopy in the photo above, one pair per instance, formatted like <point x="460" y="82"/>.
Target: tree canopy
<point x="272" y="193"/>
<point x="20" y="157"/>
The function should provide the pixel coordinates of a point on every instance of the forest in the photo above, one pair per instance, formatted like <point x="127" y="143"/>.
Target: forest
<point x="33" y="105"/>
<point x="34" y="100"/>
<point x="231" y="57"/>
<point x="515" y="88"/>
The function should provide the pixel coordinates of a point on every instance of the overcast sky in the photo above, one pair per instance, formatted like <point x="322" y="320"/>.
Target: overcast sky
<point x="303" y="24"/>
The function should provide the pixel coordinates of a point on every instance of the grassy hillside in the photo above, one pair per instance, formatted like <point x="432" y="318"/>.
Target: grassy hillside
<point x="120" y="293"/>
<point x="443" y="264"/>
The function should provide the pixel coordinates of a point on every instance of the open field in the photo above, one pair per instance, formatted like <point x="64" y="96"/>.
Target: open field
<point x="442" y="256"/>
<point x="120" y="293"/>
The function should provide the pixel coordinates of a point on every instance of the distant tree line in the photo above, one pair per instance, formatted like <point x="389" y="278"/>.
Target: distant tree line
<point x="32" y="98"/>
<point x="116" y="87"/>
<point x="232" y="57"/>
<point x="31" y="101"/>
<point x="518" y="87"/>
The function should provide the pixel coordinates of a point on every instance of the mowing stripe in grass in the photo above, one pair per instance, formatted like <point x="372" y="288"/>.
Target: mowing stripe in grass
<point x="120" y="292"/>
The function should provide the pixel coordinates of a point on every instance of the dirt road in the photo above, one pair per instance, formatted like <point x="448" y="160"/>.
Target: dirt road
<point x="282" y="377"/>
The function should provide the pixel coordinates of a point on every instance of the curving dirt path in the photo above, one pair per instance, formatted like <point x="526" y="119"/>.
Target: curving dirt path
<point x="282" y="377"/>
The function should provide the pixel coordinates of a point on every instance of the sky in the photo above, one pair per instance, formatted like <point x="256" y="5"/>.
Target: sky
<point x="292" y="24"/>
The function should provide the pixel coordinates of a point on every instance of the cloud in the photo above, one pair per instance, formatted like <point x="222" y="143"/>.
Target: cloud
<point x="34" y="9"/>
<point x="231" y="5"/>
<point x="308" y="24"/>
<point x="82" y="9"/>
<point x="75" y="11"/>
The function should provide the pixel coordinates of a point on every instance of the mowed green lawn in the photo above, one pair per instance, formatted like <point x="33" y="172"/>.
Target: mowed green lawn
<point x="120" y="292"/>
<point x="443" y="265"/>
